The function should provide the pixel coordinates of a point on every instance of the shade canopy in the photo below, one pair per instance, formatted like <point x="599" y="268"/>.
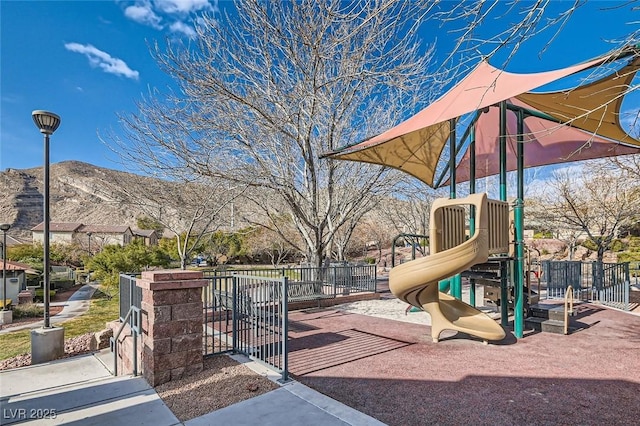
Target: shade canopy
<point x="545" y="143"/>
<point x="415" y="145"/>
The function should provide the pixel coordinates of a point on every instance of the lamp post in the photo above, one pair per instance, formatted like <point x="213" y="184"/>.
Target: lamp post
<point x="89" y="237"/>
<point x="4" y="227"/>
<point x="47" y="123"/>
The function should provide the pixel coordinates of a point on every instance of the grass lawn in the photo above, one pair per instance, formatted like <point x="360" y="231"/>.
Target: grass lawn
<point x="101" y="311"/>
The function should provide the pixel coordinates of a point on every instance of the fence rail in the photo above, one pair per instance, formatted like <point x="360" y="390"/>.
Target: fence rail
<point x="246" y="310"/>
<point x="331" y="281"/>
<point x="606" y="283"/>
<point x="247" y="314"/>
<point x="130" y="294"/>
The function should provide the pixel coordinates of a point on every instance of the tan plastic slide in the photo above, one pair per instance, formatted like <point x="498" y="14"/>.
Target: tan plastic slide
<point x="416" y="282"/>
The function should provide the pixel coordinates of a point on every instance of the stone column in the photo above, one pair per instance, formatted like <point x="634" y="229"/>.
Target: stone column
<point x="171" y="324"/>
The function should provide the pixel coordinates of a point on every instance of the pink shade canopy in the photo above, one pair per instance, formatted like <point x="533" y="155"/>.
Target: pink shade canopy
<point x="545" y="143"/>
<point x="415" y="145"/>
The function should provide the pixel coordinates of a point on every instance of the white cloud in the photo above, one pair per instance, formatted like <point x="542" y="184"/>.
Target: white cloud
<point x="183" y="6"/>
<point x="184" y="13"/>
<point x="100" y="59"/>
<point x="143" y="13"/>
<point x="181" y="27"/>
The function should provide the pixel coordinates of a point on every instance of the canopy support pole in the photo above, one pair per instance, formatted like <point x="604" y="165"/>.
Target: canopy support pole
<point x="472" y="212"/>
<point x="518" y="211"/>
<point x="456" y="281"/>
<point x="452" y="158"/>
<point x="504" y="282"/>
<point x="465" y="135"/>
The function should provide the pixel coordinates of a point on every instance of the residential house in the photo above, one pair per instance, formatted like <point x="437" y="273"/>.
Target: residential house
<point x="84" y="235"/>
<point x="16" y="280"/>
<point x="104" y="235"/>
<point x="59" y="232"/>
<point x="149" y="236"/>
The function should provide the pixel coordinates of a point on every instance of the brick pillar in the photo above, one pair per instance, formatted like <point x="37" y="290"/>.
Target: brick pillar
<point x="171" y="324"/>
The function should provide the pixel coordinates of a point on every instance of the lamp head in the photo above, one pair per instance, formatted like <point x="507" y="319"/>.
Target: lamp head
<point x="5" y="227"/>
<point x="47" y="122"/>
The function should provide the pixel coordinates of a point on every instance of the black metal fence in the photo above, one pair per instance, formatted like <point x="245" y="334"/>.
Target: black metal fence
<point x="312" y="283"/>
<point x="606" y="283"/>
<point x="246" y="310"/>
<point x="634" y="272"/>
<point x="130" y="294"/>
<point x="249" y="315"/>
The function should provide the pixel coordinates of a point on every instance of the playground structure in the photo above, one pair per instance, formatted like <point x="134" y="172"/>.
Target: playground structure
<point x="416" y="282"/>
<point x="510" y="128"/>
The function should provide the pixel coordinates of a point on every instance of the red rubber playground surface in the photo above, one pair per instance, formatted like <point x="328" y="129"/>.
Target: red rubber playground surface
<point x="392" y="371"/>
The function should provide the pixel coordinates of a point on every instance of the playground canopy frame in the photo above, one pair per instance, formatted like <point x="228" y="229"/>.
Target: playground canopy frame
<point x="511" y="129"/>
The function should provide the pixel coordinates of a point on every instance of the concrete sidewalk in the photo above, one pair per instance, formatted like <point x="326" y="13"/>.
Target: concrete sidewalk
<point x="81" y="391"/>
<point x="76" y="305"/>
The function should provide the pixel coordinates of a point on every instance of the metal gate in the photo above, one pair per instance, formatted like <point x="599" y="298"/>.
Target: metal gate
<point x="247" y="314"/>
<point x="606" y="283"/>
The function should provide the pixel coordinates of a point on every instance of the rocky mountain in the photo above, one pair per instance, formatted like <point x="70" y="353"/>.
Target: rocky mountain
<point x="79" y="192"/>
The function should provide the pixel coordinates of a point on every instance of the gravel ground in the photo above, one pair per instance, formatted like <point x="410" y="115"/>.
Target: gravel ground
<point x="223" y="382"/>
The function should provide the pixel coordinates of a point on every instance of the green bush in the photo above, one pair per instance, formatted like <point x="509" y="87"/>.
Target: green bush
<point x="370" y="260"/>
<point x="40" y="294"/>
<point x="618" y="246"/>
<point x="629" y="257"/>
<point x="589" y="245"/>
<point x="634" y="244"/>
<point x="543" y="234"/>
<point x="27" y="310"/>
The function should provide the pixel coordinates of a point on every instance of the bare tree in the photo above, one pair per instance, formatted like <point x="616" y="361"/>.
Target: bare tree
<point x="592" y="199"/>
<point x="260" y="94"/>
<point x="264" y="242"/>
<point x="190" y="212"/>
<point x="630" y="164"/>
<point x="264" y="92"/>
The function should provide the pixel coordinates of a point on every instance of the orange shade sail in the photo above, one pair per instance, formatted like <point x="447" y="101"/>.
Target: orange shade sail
<point x="415" y="145"/>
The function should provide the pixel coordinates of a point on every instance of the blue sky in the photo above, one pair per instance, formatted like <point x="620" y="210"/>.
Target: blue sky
<point x="87" y="61"/>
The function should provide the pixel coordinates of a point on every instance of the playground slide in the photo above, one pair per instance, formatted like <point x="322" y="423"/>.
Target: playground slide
<point x="416" y="282"/>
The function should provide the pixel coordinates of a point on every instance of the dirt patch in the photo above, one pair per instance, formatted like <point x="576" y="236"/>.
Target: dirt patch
<point x="223" y="382"/>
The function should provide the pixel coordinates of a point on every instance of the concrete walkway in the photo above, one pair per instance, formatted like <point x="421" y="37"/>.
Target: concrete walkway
<point x="77" y="304"/>
<point x="80" y="390"/>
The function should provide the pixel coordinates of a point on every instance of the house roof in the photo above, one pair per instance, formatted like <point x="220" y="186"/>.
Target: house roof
<point x="104" y="229"/>
<point x="143" y="232"/>
<point x="17" y="266"/>
<point x="58" y="227"/>
<point x="79" y="227"/>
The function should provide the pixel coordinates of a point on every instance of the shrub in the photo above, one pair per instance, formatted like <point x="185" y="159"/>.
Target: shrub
<point x="629" y="257"/>
<point x="370" y="260"/>
<point x="618" y="246"/>
<point x="40" y="294"/>
<point x="543" y="234"/>
<point x="27" y="310"/>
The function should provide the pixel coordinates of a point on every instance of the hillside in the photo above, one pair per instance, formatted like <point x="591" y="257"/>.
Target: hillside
<point x="79" y="192"/>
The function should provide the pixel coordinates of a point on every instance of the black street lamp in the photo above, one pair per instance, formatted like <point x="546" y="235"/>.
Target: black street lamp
<point x="47" y="123"/>
<point x="4" y="228"/>
<point x="89" y="234"/>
